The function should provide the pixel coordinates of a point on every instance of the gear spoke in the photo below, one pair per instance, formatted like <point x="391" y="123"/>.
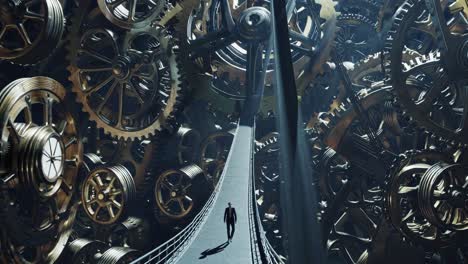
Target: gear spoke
<point x="188" y="199"/>
<point x="108" y="95"/>
<point x="439" y="21"/>
<point x="136" y="93"/>
<point x="167" y="185"/>
<point x="95" y="55"/>
<point x="99" y="86"/>
<point x="132" y="10"/>
<point x="24" y="34"/>
<point x="99" y="69"/>
<point x="115" y="194"/>
<point x="166" y="203"/>
<point x="348" y="237"/>
<point x="181" y="205"/>
<point x="110" y="210"/>
<point x="34" y="16"/>
<point x="116" y="204"/>
<point x="48" y="112"/>
<point x="120" y="106"/>
<point x="96" y="213"/>
<point x="99" y="181"/>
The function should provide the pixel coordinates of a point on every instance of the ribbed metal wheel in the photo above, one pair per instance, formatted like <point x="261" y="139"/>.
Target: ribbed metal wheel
<point x="84" y="251"/>
<point x="118" y="255"/>
<point x="30" y="30"/>
<point x="107" y="194"/>
<point x="443" y="196"/>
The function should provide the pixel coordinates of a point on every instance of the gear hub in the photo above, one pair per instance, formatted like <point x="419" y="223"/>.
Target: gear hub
<point x="43" y="157"/>
<point x="255" y="24"/>
<point x="122" y="67"/>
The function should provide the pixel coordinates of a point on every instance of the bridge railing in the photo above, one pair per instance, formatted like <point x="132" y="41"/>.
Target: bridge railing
<point x="262" y="247"/>
<point x="273" y="256"/>
<point x="166" y="251"/>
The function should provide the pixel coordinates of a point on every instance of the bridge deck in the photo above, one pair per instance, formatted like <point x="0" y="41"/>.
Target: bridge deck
<point x="210" y="244"/>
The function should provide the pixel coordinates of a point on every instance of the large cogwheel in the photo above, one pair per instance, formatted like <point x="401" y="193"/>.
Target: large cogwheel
<point x="433" y="87"/>
<point x="434" y="100"/>
<point x="129" y="84"/>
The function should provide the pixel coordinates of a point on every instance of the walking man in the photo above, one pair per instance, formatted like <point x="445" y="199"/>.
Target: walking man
<point x="230" y="218"/>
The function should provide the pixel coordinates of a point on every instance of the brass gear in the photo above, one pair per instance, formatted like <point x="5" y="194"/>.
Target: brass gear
<point x="432" y="87"/>
<point x="334" y="126"/>
<point x="459" y="6"/>
<point x="136" y="90"/>
<point x="107" y="194"/>
<point x="426" y="93"/>
<point x="141" y="158"/>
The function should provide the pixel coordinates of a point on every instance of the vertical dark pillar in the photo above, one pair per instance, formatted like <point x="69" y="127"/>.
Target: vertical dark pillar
<point x="302" y="234"/>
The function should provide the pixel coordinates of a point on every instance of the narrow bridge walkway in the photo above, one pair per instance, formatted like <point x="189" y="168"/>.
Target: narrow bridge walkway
<point x="210" y="244"/>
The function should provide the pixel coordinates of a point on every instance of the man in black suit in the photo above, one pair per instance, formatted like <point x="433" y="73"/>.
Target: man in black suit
<point x="230" y="218"/>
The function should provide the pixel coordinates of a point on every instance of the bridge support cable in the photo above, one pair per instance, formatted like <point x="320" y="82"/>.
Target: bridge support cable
<point x="264" y="251"/>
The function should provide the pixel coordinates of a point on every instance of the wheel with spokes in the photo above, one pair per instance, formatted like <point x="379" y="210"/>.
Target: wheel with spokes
<point x="107" y="194"/>
<point x="29" y="30"/>
<point x="175" y="193"/>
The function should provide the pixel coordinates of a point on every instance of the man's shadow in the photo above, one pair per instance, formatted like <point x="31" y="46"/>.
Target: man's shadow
<point x="212" y="251"/>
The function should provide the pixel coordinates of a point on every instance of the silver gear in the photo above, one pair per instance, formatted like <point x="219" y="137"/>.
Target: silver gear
<point x="130" y="14"/>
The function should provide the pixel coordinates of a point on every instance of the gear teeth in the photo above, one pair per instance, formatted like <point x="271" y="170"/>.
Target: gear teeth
<point x="407" y="66"/>
<point x="167" y="120"/>
<point x="170" y="13"/>
<point x="397" y="20"/>
<point x="370" y="64"/>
